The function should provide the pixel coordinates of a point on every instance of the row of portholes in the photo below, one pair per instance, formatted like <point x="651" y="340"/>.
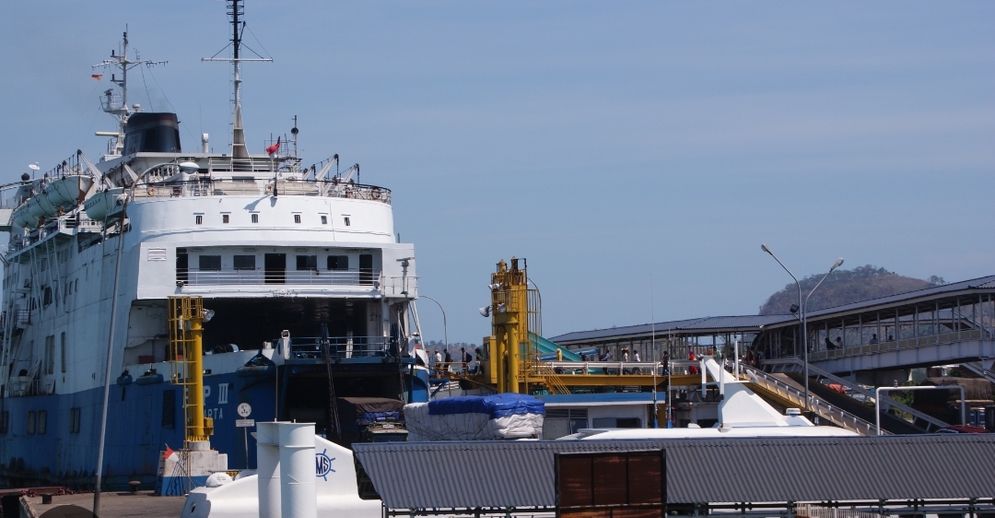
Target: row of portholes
<point x="254" y="218"/>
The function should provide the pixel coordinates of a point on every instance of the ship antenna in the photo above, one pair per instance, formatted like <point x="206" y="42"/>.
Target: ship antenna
<point x="117" y="105"/>
<point x="235" y="10"/>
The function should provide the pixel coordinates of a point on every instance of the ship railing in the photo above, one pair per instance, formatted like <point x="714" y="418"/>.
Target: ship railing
<point x="340" y="348"/>
<point x="288" y="185"/>
<point x="361" y="277"/>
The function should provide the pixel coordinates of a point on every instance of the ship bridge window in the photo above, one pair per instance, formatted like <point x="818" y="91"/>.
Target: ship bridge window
<point x="42" y="426"/>
<point x="338" y="262"/>
<point x="307" y="262"/>
<point x="245" y="262"/>
<point x="254" y="217"/>
<point x="4" y="421"/>
<point x="225" y="218"/>
<point x="209" y="263"/>
<point x="346" y="220"/>
<point x="324" y="219"/>
<point x="74" y="419"/>
<point x="198" y="219"/>
<point x="29" y="425"/>
<point x="297" y="218"/>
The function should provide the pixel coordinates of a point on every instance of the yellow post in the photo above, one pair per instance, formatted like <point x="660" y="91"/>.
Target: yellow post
<point x="197" y="357"/>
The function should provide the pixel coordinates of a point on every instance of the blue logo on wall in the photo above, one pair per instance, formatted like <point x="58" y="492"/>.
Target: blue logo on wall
<point x="323" y="464"/>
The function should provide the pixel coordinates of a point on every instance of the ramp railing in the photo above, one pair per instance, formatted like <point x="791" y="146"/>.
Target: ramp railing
<point x="818" y="406"/>
<point x="930" y="423"/>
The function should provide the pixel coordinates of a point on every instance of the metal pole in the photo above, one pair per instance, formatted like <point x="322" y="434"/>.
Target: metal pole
<point x="107" y="367"/>
<point x="803" y="311"/>
<point x="445" y="327"/>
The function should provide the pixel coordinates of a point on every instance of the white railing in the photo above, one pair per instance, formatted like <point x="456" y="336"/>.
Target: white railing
<point x="817" y="405"/>
<point x="195" y="277"/>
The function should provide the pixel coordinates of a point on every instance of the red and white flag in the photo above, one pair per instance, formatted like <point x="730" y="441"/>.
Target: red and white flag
<point x="169" y="454"/>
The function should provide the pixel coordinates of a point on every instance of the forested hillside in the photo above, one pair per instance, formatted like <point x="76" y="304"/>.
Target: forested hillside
<point x="843" y="287"/>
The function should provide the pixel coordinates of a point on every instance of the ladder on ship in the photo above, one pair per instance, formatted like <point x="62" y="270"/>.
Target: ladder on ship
<point x="186" y="321"/>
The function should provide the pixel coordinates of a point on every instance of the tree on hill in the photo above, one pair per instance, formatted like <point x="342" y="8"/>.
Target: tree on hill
<point x="843" y="287"/>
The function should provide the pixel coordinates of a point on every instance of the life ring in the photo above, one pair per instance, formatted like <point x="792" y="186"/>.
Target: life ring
<point x="150" y="191"/>
<point x="375" y="194"/>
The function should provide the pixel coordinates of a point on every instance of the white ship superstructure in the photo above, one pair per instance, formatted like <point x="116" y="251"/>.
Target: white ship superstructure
<point x="307" y="287"/>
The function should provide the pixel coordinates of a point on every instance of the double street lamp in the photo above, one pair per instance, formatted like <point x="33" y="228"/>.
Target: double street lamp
<point x="802" y="305"/>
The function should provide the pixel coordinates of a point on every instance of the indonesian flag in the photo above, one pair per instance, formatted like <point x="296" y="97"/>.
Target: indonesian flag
<point x="170" y="454"/>
<point x="96" y="76"/>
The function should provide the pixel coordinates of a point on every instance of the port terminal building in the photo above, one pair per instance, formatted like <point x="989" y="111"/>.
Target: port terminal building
<point x="852" y="349"/>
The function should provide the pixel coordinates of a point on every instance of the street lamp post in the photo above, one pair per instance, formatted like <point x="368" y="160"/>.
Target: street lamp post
<point x="802" y="309"/>
<point x="445" y="330"/>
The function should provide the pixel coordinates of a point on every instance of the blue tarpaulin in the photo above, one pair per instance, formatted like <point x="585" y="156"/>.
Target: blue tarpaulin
<point x="497" y="405"/>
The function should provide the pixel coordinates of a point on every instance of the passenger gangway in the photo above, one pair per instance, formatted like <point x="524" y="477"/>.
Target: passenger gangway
<point x="979" y="369"/>
<point x="923" y="421"/>
<point x="768" y="385"/>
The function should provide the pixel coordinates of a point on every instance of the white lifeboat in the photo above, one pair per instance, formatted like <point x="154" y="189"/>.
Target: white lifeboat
<point x="105" y="204"/>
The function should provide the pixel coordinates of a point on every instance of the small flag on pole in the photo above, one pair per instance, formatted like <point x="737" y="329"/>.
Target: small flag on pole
<point x="169" y="454"/>
<point x="96" y="76"/>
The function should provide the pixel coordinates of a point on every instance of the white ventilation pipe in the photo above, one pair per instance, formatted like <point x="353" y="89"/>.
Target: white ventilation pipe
<point x="268" y="462"/>
<point x="297" y="480"/>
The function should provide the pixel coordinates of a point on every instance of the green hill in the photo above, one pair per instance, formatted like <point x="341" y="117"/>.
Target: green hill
<point x="843" y="287"/>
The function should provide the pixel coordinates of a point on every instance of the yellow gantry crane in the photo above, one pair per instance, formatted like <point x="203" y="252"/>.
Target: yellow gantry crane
<point x="186" y="326"/>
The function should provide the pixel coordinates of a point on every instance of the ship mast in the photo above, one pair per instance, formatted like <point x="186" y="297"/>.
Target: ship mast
<point x="235" y="10"/>
<point x="117" y="105"/>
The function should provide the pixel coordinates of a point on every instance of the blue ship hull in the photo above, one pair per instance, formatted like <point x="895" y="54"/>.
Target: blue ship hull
<point x="48" y="441"/>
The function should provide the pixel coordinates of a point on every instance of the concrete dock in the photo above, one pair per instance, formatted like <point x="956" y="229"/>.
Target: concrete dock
<point x="112" y="505"/>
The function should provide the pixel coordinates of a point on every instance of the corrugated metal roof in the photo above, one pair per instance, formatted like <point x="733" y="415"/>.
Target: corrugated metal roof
<point x="752" y="322"/>
<point x="719" y="324"/>
<point x="520" y="474"/>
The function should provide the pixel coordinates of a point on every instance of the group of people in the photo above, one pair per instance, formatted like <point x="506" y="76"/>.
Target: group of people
<point x="444" y="362"/>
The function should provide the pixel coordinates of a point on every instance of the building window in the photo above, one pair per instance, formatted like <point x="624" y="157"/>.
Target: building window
<point x="209" y="263"/>
<point x="255" y="217"/>
<point x="338" y="262"/>
<point x="30" y="423"/>
<point x="307" y="262"/>
<point x="62" y="351"/>
<point x="50" y="354"/>
<point x="168" y="409"/>
<point x="198" y="219"/>
<point x="297" y="218"/>
<point x="225" y="218"/>
<point x="245" y="262"/>
<point x="74" y="419"/>
<point x="324" y="219"/>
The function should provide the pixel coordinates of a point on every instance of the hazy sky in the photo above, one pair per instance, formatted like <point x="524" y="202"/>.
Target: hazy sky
<point x="635" y="152"/>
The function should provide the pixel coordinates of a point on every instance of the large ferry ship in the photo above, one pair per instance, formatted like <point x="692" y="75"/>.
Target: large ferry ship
<point x="290" y="274"/>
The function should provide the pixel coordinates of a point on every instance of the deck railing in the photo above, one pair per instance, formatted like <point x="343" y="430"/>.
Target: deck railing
<point x="341" y="347"/>
<point x="362" y="277"/>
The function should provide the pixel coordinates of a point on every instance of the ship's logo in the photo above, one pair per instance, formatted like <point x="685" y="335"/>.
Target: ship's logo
<point x="323" y="464"/>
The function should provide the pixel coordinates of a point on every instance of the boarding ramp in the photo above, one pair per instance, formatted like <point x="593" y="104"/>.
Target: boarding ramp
<point x="860" y="400"/>
<point x="979" y="369"/>
<point x="546" y="347"/>
<point x="787" y="394"/>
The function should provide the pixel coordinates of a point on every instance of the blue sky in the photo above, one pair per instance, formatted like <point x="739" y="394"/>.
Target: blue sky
<point x="636" y="153"/>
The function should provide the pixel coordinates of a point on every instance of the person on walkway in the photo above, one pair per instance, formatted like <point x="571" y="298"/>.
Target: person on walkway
<point x="448" y="362"/>
<point x="438" y="361"/>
